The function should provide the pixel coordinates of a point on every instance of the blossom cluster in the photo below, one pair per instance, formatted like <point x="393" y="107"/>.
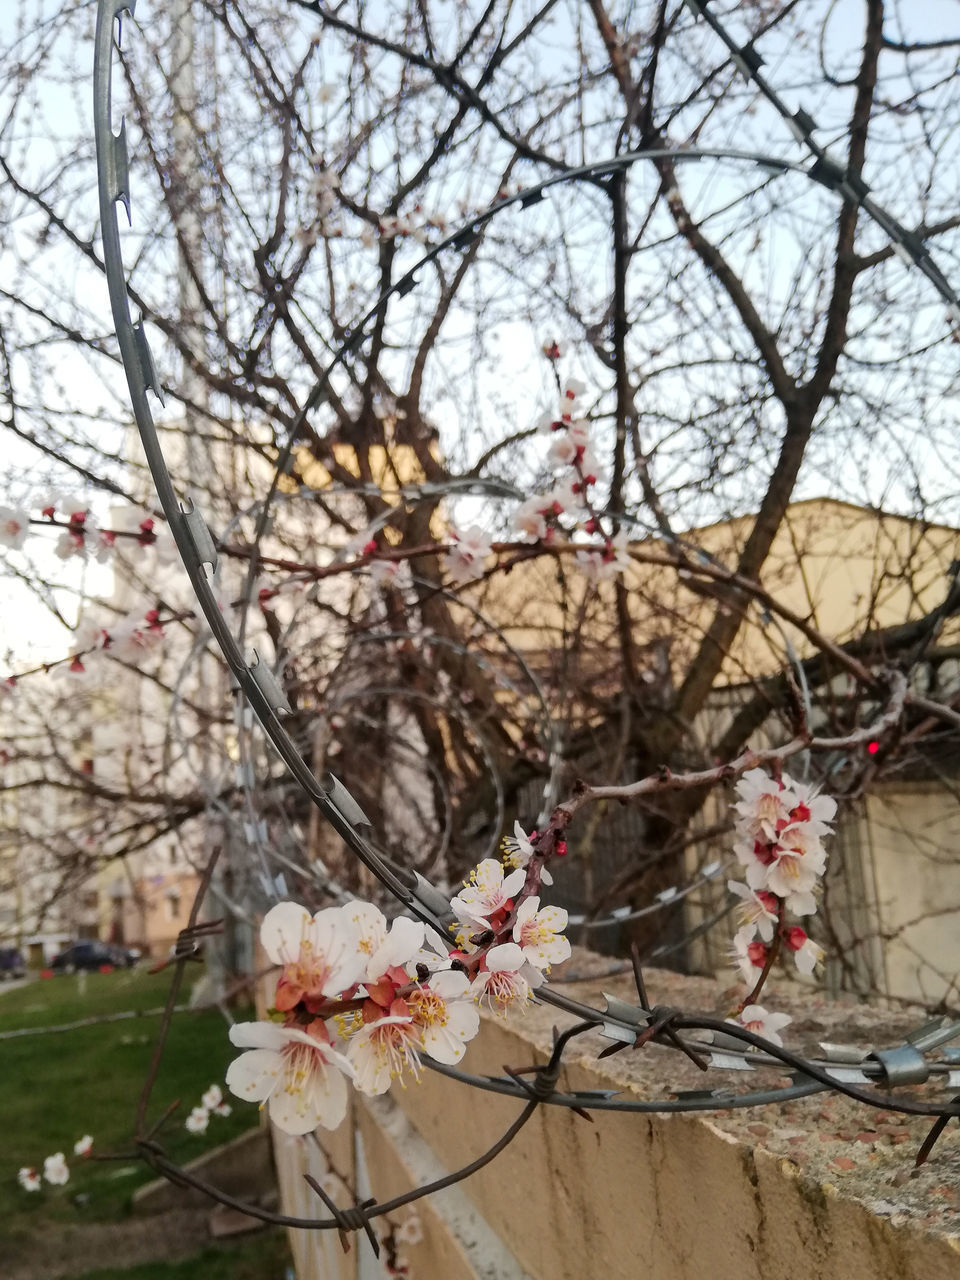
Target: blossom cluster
<point x="56" y="1171"/>
<point x="508" y="972"/>
<point x="394" y="1239"/>
<point x="127" y="640"/>
<point x="359" y="999"/>
<point x="566" y="506"/>
<point x="79" y="536"/>
<point x="211" y="1104"/>
<point x="780" y="825"/>
<point x="571" y="449"/>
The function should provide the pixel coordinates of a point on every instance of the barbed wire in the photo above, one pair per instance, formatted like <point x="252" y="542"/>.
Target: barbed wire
<point x="709" y="1042"/>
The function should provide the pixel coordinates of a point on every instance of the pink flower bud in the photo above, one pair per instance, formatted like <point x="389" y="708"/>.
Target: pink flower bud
<point x="757" y="953"/>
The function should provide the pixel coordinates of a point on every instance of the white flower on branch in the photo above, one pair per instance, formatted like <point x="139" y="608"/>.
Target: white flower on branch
<point x="814" y="810"/>
<point x="769" y="1025"/>
<point x="487" y="893"/>
<point x="504" y="979"/>
<point x="749" y="956"/>
<point x="70" y="543"/>
<point x="297" y="1074"/>
<point x="518" y="850"/>
<point x="386" y="572"/>
<point x="134" y="636"/>
<point x="55" y="1170"/>
<point x="83" y="1146"/>
<point x="444" y="1012"/>
<point x="792" y="874"/>
<point x="75" y="509"/>
<point x="806" y="953"/>
<point x="197" y="1120"/>
<point x="781" y="824"/>
<point x="320" y="954"/>
<point x="565" y="498"/>
<point x="537" y="933"/>
<point x="464" y="561"/>
<point x="383" y="1049"/>
<point x="397" y="949"/>
<point x="764" y="805"/>
<point x="529" y="518"/>
<point x="571" y="446"/>
<point x="758" y="911"/>
<point x="212" y="1098"/>
<point x="410" y="1231"/>
<point x="106" y="545"/>
<point x="29" y="1179"/>
<point x="14" y="527"/>
<point x="602" y="565"/>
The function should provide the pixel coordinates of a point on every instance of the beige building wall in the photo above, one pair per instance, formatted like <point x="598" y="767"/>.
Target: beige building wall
<point x="912" y="834"/>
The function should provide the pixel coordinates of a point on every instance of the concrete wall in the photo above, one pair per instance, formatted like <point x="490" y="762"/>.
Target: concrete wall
<point x="629" y="1196"/>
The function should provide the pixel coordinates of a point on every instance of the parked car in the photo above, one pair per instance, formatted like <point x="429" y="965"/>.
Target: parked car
<point x="86" y="954"/>
<point x="125" y="957"/>
<point x="12" y="964"/>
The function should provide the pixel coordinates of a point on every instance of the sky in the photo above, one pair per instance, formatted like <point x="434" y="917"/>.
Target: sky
<point x="26" y="628"/>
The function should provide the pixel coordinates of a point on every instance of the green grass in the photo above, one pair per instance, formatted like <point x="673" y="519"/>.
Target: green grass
<point x="59" y="1086"/>
<point x="47" y="1002"/>
<point x="260" y="1257"/>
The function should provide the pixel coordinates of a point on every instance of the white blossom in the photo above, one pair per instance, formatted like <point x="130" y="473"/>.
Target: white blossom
<point x="757" y="914"/>
<point x="518" y="851"/>
<point x="385" y="572"/>
<point x="537" y="933"/>
<point x="745" y="954"/>
<point x="382" y="1050"/>
<point x="55" y="1170"/>
<point x="464" y="561"/>
<point x="503" y="980"/>
<point x="320" y="954"/>
<point x="132" y="637"/>
<point x="14" y="527"/>
<point x="410" y="1230"/>
<point x="600" y="565"/>
<point x="487" y="892"/>
<point x="769" y="1025"/>
<point x="70" y="543"/>
<point x="444" y="1012"/>
<point x="529" y="519"/>
<point x="197" y="1120"/>
<point x="300" y="1077"/>
<point x="806" y="953"/>
<point x="212" y="1098"/>
<point x="398" y="947"/>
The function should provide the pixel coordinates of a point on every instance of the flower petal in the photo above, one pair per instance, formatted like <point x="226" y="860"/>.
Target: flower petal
<point x="254" y="1075"/>
<point x="507" y="956"/>
<point x="283" y="929"/>
<point x="258" y="1035"/>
